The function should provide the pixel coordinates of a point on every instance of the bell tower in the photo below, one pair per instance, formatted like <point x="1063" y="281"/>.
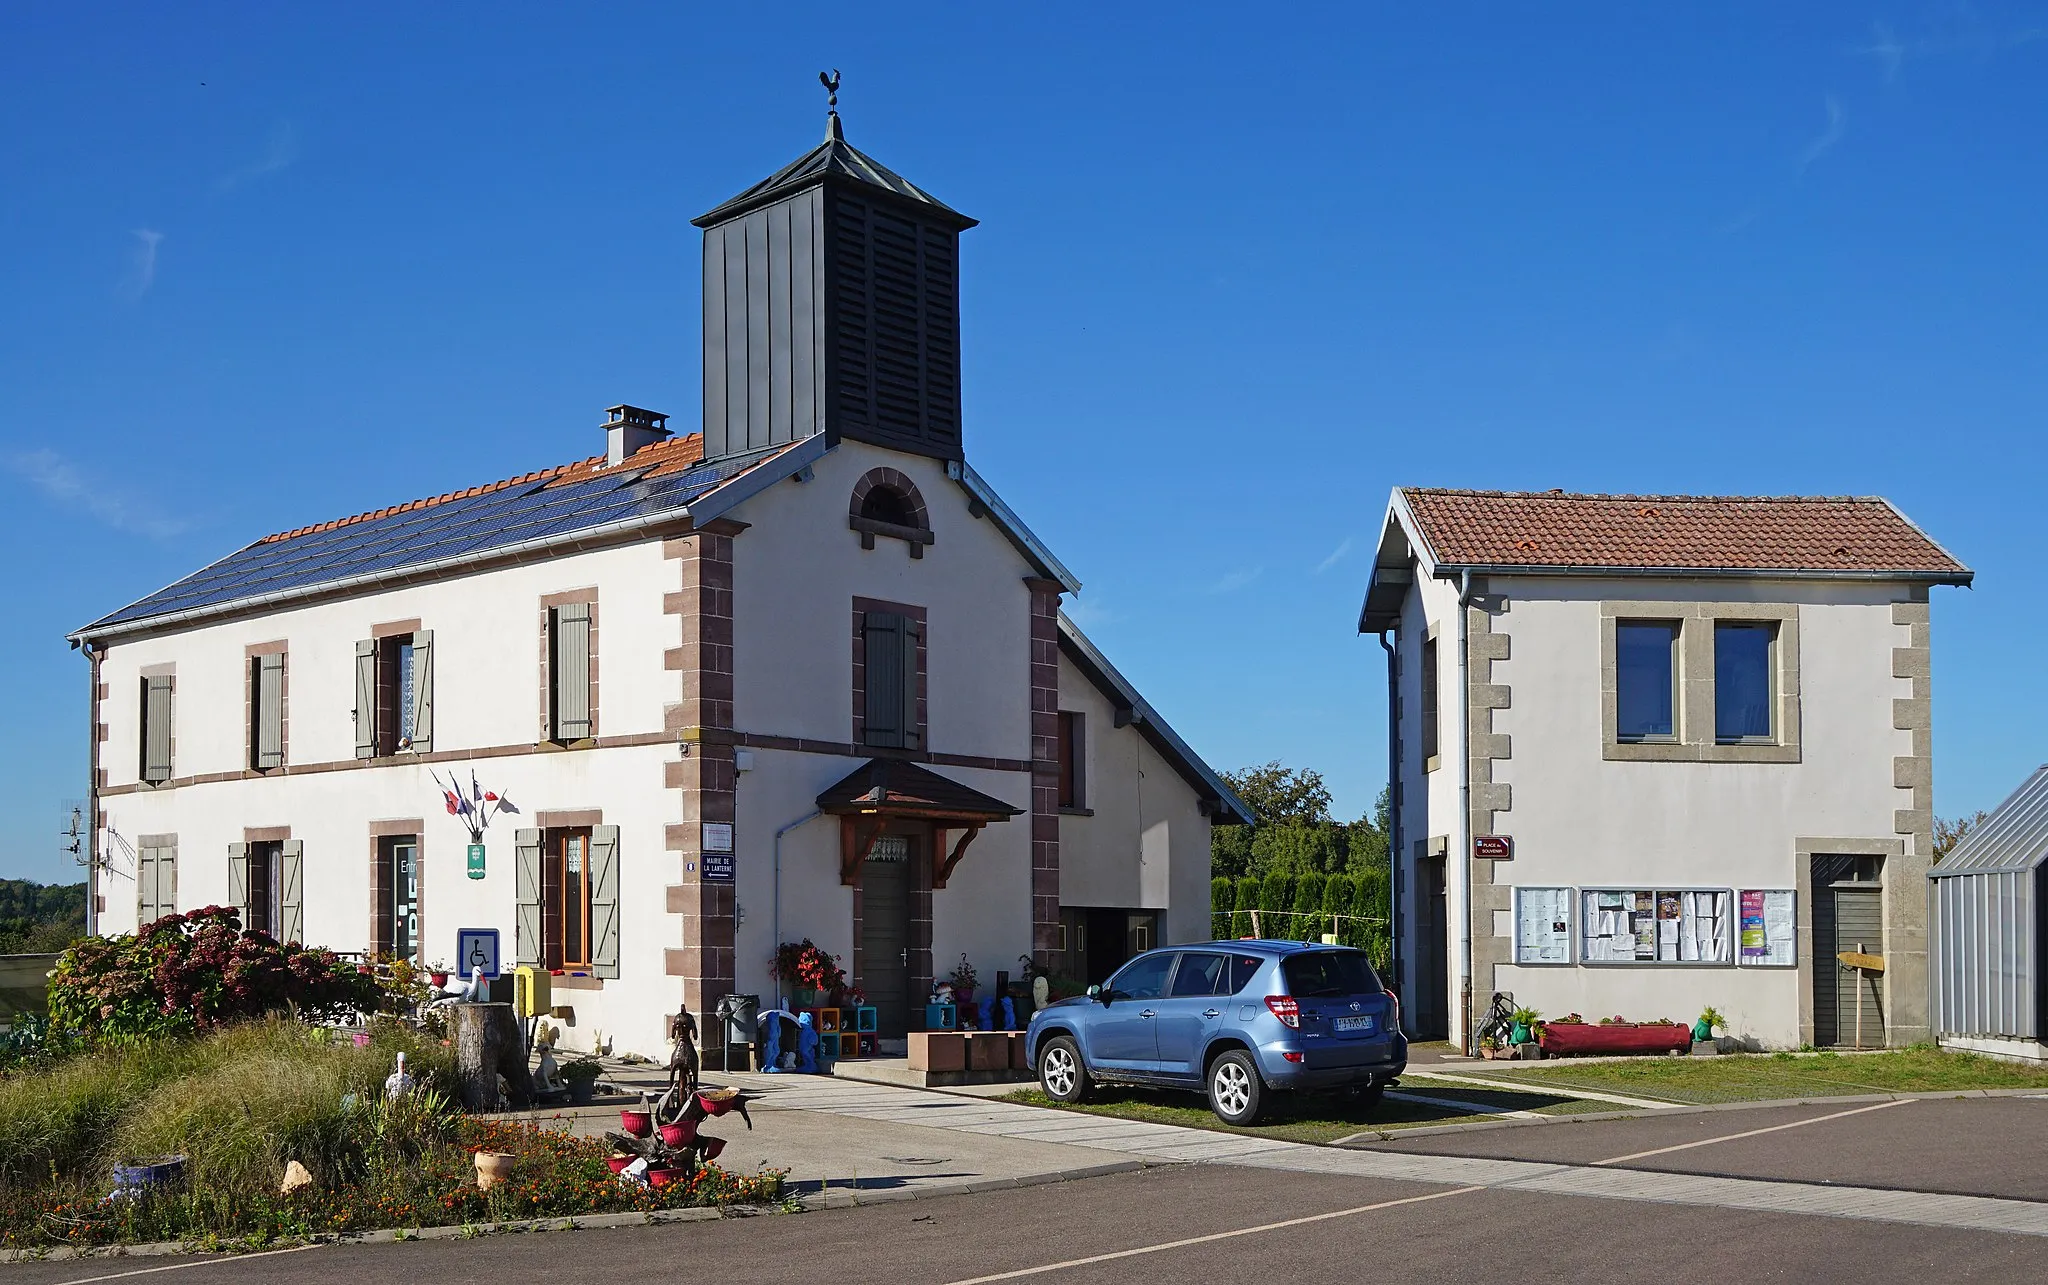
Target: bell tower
<point x="832" y="305"/>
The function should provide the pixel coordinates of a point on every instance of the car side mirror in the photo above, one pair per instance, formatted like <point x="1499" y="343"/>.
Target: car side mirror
<point x="1101" y="993"/>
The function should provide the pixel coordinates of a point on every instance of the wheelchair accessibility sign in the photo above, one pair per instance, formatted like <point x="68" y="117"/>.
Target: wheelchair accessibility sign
<point x="477" y="948"/>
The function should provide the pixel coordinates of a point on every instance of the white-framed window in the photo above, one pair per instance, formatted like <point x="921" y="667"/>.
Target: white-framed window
<point x="1657" y="926"/>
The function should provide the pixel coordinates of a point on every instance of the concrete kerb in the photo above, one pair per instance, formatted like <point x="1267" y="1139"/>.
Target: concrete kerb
<point x="1367" y="1137"/>
<point x="828" y="1198"/>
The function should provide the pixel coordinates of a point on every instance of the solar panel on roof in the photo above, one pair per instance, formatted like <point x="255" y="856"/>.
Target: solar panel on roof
<point x="453" y="528"/>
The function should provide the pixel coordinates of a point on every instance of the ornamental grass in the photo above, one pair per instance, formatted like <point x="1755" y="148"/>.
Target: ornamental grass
<point x="242" y="1101"/>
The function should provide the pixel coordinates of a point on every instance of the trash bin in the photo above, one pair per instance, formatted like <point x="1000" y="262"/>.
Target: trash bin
<point x="738" y="1021"/>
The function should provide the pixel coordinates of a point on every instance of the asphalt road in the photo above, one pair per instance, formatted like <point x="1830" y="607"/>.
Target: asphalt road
<point x="1221" y="1222"/>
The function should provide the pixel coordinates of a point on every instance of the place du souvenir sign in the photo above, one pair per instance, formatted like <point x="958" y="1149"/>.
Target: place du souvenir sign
<point x="1493" y="847"/>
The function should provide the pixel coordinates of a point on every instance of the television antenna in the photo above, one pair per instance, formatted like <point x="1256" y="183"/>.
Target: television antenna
<point x="74" y="834"/>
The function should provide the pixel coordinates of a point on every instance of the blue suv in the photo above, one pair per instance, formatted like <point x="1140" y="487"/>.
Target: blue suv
<point x="1236" y="1019"/>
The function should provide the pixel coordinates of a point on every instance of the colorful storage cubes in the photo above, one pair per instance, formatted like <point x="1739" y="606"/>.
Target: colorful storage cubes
<point x="941" y="1017"/>
<point x="864" y="1019"/>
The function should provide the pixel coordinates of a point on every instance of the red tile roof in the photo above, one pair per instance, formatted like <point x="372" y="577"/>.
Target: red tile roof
<point x="1813" y="534"/>
<point x="660" y="459"/>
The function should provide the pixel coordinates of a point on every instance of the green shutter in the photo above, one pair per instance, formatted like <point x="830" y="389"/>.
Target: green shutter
<point x="526" y="942"/>
<point x="569" y="670"/>
<point x="882" y="636"/>
<point x="156" y="729"/>
<point x="366" y="699"/>
<point x="423" y="691"/>
<point x="291" y="902"/>
<point x="604" y="900"/>
<point x="269" y="739"/>
<point x="238" y="880"/>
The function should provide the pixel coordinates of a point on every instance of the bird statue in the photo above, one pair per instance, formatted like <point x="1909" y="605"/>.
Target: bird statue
<point x="830" y="80"/>
<point x="398" y="1084"/>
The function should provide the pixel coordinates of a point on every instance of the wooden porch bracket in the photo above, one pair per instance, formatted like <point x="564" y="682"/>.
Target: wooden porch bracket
<point x="855" y="842"/>
<point x="945" y="870"/>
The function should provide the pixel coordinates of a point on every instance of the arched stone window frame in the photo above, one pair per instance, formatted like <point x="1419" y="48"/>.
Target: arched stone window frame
<point x="916" y="536"/>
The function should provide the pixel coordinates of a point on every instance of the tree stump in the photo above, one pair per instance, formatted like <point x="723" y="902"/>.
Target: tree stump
<point x="488" y="1044"/>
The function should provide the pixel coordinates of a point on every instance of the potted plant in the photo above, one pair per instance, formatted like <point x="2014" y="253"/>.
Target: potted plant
<point x="1522" y="1025"/>
<point x="581" y="1077"/>
<point x="1710" y="1022"/>
<point x="963" y="980"/>
<point x="811" y="972"/>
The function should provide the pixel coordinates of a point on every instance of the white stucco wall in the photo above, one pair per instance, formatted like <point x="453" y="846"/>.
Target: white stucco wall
<point x="486" y="694"/>
<point x="1580" y="820"/>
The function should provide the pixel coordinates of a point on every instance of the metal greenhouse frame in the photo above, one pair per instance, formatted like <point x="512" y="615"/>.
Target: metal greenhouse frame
<point x="1990" y="920"/>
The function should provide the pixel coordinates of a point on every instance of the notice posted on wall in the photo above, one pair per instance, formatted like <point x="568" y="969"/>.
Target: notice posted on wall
<point x="1543" y="926"/>
<point x="1769" y="935"/>
<point x="1655" y="926"/>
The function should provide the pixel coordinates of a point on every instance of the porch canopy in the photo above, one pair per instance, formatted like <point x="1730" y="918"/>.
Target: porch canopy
<point x="884" y="791"/>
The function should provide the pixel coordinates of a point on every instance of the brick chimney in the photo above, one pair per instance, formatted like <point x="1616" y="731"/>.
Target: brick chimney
<point x="629" y="429"/>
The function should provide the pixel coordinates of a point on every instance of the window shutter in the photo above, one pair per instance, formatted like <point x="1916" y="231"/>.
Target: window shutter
<point x="907" y="693"/>
<point x="604" y="900"/>
<point x="366" y="699"/>
<point x="269" y="712"/>
<point x="882" y="715"/>
<point x="156" y="729"/>
<point x="423" y="691"/>
<point x="291" y="904"/>
<point x="526" y="880"/>
<point x="147" y="898"/>
<point x="569" y="667"/>
<point x="382" y="928"/>
<point x="238" y="880"/>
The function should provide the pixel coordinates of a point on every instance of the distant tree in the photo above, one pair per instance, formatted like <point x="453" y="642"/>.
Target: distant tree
<point x="1276" y="793"/>
<point x="1230" y="850"/>
<point x="1949" y="831"/>
<point x="40" y="919"/>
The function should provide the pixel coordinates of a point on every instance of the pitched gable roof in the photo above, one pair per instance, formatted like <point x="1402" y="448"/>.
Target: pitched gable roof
<point x="1806" y="535"/>
<point x="833" y="161"/>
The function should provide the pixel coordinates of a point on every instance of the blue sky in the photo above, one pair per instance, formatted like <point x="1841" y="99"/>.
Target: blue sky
<point x="1238" y="273"/>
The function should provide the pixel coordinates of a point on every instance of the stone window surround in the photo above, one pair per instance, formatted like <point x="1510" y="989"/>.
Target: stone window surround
<point x="916" y="536"/>
<point x="277" y="647"/>
<point x="414" y="828"/>
<point x="1433" y="634"/>
<point x="1900" y="937"/>
<point x="1696" y="743"/>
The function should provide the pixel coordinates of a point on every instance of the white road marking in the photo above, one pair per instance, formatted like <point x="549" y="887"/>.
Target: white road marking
<point x="179" y="1267"/>
<point x="1163" y="1246"/>
<point x="1750" y="1133"/>
<point x="1506" y="1083"/>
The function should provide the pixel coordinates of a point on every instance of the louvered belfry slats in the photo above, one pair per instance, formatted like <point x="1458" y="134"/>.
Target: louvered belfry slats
<point x="832" y="305"/>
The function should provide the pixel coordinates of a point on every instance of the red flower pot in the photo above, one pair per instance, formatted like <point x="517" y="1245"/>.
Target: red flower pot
<point x="712" y="1147"/>
<point x="679" y="1133"/>
<point x="663" y="1177"/>
<point x="618" y="1163"/>
<point x="1562" y="1039"/>
<point x="638" y="1124"/>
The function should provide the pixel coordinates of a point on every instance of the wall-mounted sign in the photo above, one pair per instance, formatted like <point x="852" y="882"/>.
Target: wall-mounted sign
<point x="717" y="836"/>
<point x="718" y="867"/>
<point x="1493" y="847"/>
<point x="477" y="948"/>
<point x="476" y="860"/>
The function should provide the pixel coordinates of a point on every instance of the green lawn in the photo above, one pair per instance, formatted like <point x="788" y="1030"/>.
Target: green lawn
<point x="1314" y="1118"/>
<point x="1760" y="1077"/>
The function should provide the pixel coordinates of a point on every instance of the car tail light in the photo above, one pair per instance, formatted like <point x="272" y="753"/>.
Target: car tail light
<point x="1286" y="1010"/>
<point x="1395" y="1000"/>
<point x="1293" y="1057"/>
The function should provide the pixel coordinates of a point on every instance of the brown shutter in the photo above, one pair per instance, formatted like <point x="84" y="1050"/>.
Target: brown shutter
<point x="911" y="632"/>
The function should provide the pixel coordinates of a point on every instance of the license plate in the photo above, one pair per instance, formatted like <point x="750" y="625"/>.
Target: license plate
<point x="1353" y="1024"/>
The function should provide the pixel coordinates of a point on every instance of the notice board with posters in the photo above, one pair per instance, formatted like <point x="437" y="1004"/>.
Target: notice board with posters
<point x="1543" y="925"/>
<point x="1656" y="925"/>
<point x="1768" y="930"/>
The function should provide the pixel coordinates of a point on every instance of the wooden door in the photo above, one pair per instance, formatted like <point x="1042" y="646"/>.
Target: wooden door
<point x="1430" y="998"/>
<point x="885" y="933"/>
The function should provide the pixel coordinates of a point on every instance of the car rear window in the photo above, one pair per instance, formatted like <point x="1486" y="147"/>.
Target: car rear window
<point x="1329" y="972"/>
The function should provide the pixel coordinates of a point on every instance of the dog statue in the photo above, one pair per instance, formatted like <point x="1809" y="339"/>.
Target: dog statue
<point x="683" y="1063"/>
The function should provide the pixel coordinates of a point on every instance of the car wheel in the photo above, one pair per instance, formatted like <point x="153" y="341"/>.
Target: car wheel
<point x="1236" y="1094"/>
<point x="1061" y="1072"/>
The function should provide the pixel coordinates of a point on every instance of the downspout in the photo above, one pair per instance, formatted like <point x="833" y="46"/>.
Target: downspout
<point x="775" y="913"/>
<point x="1394" y="792"/>
<point x="1465" y="808"/>
<point x="92" y="794"/>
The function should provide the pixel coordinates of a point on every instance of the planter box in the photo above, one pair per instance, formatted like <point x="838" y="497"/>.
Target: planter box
<point x="938" y="1051"/>
<point x="988" y="1050"/>
<point x="1564" y="1039"/>
<point x="1018" y="1062"/>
